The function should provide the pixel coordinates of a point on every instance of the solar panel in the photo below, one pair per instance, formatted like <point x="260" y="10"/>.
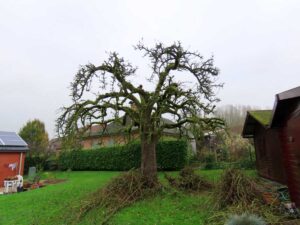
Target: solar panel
<point x="11" y="139"/>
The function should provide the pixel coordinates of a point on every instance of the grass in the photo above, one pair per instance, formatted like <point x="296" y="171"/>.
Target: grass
<point x="53" y="204"/>
<point x="175" y="208"/>
<point x="47" y="205"/>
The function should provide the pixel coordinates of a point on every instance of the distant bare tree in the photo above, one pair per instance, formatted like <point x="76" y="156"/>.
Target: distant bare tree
<point x="234" y="116"/>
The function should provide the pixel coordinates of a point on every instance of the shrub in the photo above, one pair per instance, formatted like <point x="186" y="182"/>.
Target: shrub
<point x="247" y="163"/>
<point x="171" y="155"/>
<point x="37" y="161"/>
<point x="210" y="161"/>
<point x="51" y="163"/>
<point x="41" y="162"/>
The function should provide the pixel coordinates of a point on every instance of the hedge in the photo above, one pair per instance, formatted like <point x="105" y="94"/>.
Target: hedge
<point x="171" y="155"/>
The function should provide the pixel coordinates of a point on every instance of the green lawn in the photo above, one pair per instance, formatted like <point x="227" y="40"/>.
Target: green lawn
<point x="176" y="208"/>
<point x="48" y="205"/>
<point x="172" y="208"/>
<point x="53" y="204"/>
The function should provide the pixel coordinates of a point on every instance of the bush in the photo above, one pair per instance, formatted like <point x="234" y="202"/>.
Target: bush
<point x="246" y="164"/>
<point x="171" y="155"/>
<point x="210" y="161"/>
<point x="51" y="163"/>
<point x="41" y="162"/>
<point x="37" y="161"/>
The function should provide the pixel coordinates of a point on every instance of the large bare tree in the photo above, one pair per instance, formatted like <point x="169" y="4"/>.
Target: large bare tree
<point x="171" y="96"/>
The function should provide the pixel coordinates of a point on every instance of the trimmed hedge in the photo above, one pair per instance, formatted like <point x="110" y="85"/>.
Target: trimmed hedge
<point x="171" y="155"/>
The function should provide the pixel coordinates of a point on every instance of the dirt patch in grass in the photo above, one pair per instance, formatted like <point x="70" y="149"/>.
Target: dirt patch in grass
<point x="53" y="181"/>
<point x="42" y="183"/>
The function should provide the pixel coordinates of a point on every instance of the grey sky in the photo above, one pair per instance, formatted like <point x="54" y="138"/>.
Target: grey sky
<point x="256" y="45"/>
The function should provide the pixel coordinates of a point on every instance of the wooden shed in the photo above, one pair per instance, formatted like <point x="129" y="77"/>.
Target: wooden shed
<point x="276" y="135"/>
<point x="267" y="145"/>
<point x="12" y="155"/>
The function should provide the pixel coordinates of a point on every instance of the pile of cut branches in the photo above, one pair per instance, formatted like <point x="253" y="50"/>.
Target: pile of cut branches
<point x="236" y="194"/>
<point x="188" y="180"/>
<point x="235" y="188"/>
<point x="270" y="214"/>
<point x="120" y="192"/>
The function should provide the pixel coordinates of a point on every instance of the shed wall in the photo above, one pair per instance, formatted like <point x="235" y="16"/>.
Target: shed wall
<point x="7" y="158"/>
<point x="290" y="136"/>
<point x="269" y="159"/>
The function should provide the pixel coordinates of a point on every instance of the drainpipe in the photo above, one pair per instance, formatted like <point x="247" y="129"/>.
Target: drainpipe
<point x="20" y="163"/>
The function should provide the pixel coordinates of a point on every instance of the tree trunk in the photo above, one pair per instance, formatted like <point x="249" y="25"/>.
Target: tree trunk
<point x="149" y="166"/>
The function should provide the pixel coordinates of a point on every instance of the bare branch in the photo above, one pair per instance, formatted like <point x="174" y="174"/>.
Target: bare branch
<point x="169" y="96"/>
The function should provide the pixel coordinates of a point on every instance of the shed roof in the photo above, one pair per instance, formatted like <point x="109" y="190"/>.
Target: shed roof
<point x="10" y="141"/>
<point x="284" y="104"/>
<point x="262" y="117"/>
<point x="289" y="94"/>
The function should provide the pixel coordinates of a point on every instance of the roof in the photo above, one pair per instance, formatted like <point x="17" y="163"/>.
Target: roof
<point x="10" y="141"/>
<point x="262" y="116"/>
<point x="112" y="128"/>
<point x="117" y="128"/>
<point x="289" y="94"/>
<point x="285" y="102"/>
<point x="253" y="118"/>
<point x="55" y="144"/>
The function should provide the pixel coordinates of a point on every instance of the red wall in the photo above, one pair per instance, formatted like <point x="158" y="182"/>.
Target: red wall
<point x="290" y="136"/>
<point x="7" y="158"/>
<point x="268" y="152"/>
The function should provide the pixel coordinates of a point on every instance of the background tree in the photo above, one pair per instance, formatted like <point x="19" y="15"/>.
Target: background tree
<point x="35" y="135"/>
<point x="238" y="148"/>
<point x="169" y="96"/>
<point x="234" y="116"/>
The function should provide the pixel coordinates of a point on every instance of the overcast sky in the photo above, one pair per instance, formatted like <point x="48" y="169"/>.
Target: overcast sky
<point x="256" y="45"/>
